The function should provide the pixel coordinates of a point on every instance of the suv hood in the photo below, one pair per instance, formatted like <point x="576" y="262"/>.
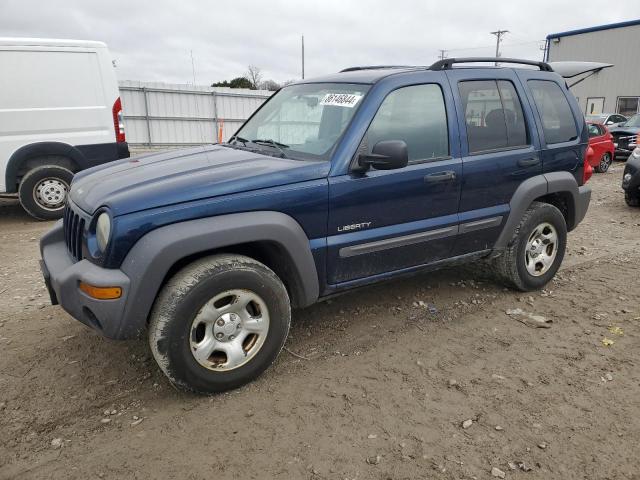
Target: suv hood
<point x="625" y="130"/>
<point x="150" y="181"/>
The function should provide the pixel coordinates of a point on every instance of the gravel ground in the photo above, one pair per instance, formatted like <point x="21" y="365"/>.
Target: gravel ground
<point x="374" y="384"/>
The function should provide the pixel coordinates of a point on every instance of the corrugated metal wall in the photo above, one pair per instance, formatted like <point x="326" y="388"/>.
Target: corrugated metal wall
<point x="165" y="115"/>
<point x="619" y="46"/>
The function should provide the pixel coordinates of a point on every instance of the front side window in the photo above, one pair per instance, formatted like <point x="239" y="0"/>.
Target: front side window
<point x="558" y="123"/>
<point x="493" y="115"/>
<point x="303" y="121"/>
<point x="416" y="115"/>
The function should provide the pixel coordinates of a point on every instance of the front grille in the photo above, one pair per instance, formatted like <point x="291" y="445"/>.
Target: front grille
<point x="73" y="231"/>
<point x="624" y="141"/>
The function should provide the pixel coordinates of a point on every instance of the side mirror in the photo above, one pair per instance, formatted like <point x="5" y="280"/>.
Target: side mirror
<point x="609" y="123"/>
<point x="386" y="155"/>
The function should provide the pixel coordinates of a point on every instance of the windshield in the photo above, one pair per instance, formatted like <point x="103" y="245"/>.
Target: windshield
<point x="302" y="121"/>
<point x="633" y="121"/>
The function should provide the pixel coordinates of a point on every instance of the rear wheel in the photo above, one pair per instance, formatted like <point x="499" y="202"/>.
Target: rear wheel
<point x="43" y="191"/>
<point x="605" y="163"/>
<point x="219" y="323"/>
<point x="536" y="249"/>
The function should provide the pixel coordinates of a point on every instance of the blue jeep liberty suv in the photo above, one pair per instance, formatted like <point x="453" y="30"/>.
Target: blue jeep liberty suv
<point x="333" y="183"/>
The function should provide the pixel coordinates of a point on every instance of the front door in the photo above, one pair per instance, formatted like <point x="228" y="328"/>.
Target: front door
<point x="383" y="221"/>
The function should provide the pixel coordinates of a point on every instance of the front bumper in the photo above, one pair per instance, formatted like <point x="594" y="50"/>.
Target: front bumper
<point x="631" y="174"/>
<point x="63" y="276"/>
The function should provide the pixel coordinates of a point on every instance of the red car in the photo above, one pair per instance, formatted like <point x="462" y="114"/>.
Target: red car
<point x="601" y="141"/>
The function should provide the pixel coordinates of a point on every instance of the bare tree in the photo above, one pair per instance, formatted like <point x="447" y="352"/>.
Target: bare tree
<point x="254" y="74"/>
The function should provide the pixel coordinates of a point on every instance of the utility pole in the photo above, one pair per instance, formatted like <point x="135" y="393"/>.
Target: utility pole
<point x="303" y="57"/>
<point x="498" y="34"/>
<point x="443" y="54"/>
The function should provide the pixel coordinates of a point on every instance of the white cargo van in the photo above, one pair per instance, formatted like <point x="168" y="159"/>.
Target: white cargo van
<point x="60" y="112"/>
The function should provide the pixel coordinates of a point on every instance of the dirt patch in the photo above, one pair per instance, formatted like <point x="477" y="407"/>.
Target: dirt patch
<point x="383" y="390"/>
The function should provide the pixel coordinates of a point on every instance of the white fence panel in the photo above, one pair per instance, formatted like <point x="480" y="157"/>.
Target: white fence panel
<point x="164" y="115"/>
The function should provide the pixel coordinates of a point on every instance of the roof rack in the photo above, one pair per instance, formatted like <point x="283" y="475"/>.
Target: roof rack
<point x="375" y="67"/>
<point x="447" y="63"/>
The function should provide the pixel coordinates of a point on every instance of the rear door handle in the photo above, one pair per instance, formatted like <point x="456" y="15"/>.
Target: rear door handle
<point x="528" y="162"/>
<point x="439" y="177"/>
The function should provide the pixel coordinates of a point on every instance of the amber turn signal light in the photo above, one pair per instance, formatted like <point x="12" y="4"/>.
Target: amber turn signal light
<point x="101" y="293"/>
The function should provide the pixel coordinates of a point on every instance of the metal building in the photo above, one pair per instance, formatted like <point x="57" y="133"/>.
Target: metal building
<point x="615" y="89"/>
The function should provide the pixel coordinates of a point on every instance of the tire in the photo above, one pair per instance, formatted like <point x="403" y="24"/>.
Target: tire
<point x="605" y="163"/>
<point x="516" y="263"/>
<point x="43" y="191"/>
<point x="633" y="200"/>
<point x="185" y="323"/>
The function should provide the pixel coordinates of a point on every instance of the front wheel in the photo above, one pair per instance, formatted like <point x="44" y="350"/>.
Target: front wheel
<point x="219" y="323"/>
<point x="536" y="249"/>
<point x="605" y="163"/>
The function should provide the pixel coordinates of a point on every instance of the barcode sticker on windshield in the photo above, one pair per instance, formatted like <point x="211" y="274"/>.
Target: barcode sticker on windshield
<point x="348" y="100"/>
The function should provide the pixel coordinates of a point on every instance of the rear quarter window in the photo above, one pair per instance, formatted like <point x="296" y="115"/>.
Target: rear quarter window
<point x="558" y="124"/>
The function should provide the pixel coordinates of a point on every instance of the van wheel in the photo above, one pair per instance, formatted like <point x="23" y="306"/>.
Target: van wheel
<point x="219" y="323"/>
<point x="43" y="191"/>
<point x="605" y="163"/>
<point x="536" y="249"/>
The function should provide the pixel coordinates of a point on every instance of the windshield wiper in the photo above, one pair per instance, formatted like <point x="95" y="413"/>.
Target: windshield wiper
<point x="272" y="143"/>
<point x="236" y="139"/>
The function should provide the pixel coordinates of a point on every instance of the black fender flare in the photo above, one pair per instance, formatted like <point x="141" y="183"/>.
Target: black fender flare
<point x="39" y="149"/>
<point x="153" y="256"/>
<point x="539" y="186"/>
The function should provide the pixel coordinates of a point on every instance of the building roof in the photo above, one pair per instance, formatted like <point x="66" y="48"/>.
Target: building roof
<point x="597" y="28"/>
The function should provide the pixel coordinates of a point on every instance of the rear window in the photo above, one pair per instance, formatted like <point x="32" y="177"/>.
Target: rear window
<point x="493" y="115"/>
<point x="558" y="123"/>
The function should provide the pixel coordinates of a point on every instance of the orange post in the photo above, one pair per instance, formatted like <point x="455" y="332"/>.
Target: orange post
<point x="220" y="130"/>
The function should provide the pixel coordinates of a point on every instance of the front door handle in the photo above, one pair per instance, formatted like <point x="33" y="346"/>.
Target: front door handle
<point x="447" y="176"/>
<point x="528" y="162"/>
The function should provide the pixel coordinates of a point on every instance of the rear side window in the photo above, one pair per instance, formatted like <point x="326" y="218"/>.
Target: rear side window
<point x="493" y="115"/>
<point x="558" y="123"/>
<point x="594" y="131"/>
<point x="416" y="115"/>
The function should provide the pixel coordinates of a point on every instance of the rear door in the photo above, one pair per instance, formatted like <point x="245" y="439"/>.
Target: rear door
<point x="500" y="150"/>
<point x="388" y="220"/>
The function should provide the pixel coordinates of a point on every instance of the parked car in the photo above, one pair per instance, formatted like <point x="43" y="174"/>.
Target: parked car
<point x="208" y="249"/>
<point x="607" y="119"/>
<point x="60" y="113"/>
<point x="631" y="179"/>
<point x="625" y="136"/>
<point x="602" y="143"/>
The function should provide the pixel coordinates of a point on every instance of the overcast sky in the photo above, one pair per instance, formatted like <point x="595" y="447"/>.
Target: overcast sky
<point x="152" y="40"/>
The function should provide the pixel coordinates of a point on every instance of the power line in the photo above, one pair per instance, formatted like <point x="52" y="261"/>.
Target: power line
<point x="499" y="34"/>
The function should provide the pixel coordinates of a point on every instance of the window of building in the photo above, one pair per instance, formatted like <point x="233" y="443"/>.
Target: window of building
<point x="628" y="106"/>
<point x="493" y="115"/>
<point x="558" y="123"/>
<point x="416" y="115"/>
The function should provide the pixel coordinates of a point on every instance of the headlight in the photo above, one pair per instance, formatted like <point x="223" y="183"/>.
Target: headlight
<point x="627" y="178"/>
<point x="103" y="231"/>
<point x="636" y="153"/>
